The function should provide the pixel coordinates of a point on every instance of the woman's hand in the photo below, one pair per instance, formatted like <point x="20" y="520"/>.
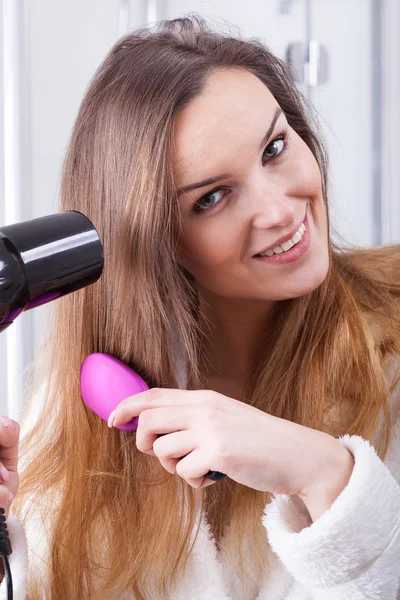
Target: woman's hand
<point x="214" y="432"/>
<point x="9" y="440"/>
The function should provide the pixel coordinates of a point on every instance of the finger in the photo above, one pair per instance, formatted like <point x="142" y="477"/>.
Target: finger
<point x="195" y="483"/>
<point x="194" y="466"/>
<point x="6" y="497"/>
<point x="154" y="398"/>
<point x="9" y="441"/>
<point x="171" y="448"/>
<point x="4" y="474"/>
<point x="153" y="422"/>
<point x="206" y="482"/>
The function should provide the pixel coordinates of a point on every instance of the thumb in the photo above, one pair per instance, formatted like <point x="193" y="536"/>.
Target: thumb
<point x="9" y="440"/>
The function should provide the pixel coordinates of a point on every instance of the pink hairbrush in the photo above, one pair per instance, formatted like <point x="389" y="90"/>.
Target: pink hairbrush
<point x="105" y="382"/>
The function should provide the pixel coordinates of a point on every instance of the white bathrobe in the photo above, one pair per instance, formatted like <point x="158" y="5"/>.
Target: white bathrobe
<point x="351" y="552"/>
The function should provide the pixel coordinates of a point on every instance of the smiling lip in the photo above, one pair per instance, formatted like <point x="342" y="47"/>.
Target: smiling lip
<point x="293" y="254"/>
<point x="285" y="238"/>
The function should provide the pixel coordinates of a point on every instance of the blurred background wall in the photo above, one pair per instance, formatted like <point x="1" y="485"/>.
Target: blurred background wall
<point x="344" y="54"/>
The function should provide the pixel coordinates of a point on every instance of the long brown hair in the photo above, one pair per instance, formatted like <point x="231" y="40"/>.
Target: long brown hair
<point x="119" y="516"/>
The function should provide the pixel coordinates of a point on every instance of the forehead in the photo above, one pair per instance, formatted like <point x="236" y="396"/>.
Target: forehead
<point x="226" y="120"/>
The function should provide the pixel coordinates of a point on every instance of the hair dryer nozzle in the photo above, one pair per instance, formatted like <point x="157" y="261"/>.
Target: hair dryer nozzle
<point x="46" y="258"/>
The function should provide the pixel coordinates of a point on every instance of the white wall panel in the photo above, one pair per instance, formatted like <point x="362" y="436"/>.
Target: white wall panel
<point x="16" y="345"/>
<point x="344" y="103"/>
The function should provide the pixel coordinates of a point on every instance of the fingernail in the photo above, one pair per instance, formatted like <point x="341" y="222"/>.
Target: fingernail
<point x="6" y="421"/>
<point x="10" y="497"/>
<point x="4" y="473"/>
<point x="111" y="419"/>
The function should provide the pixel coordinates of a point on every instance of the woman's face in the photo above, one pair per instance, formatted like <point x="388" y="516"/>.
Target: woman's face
<point x="263" y="189"/>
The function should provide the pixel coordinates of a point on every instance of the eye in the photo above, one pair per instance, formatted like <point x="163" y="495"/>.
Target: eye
<point x="210" y="200"/>
<point x="275" y="147"/>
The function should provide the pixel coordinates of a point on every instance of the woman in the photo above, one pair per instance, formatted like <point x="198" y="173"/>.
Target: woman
<point x="193" y="155"/>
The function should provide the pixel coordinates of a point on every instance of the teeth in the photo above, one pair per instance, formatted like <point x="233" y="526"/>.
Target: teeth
<point x="286" y="245"/>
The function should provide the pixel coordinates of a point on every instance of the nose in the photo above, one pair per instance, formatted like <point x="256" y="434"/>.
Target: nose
<point x="269" y="207"/>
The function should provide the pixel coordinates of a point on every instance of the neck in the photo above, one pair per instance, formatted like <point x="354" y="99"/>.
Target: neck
<point x="232" y="332"/>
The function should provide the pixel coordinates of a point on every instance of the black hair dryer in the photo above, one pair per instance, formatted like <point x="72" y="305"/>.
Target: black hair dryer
<point x="44" y="259"/>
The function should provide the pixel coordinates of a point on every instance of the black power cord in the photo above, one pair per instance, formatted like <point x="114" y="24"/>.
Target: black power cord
<point x="5" y="550"/>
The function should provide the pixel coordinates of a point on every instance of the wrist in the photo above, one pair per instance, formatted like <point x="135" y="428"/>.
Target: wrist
<point x="320" y="496"/>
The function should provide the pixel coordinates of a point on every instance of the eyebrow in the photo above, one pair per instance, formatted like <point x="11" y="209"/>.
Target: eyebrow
<point x="210" y="180"/>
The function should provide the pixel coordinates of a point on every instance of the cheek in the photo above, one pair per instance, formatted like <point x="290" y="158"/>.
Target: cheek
<point x="312" y="176"/>
<point x="206" y="246"/>
<point x="301" y="172"/>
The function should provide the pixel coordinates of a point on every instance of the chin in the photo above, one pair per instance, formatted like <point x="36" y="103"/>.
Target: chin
<point x="311" y="280"/>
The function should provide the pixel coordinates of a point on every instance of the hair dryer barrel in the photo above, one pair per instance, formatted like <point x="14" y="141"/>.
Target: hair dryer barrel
<point x="46" y="258"/>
